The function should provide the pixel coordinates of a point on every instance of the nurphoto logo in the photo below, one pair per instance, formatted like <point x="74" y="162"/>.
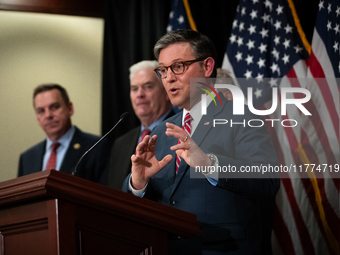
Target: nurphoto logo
<point x="239" y="103"/>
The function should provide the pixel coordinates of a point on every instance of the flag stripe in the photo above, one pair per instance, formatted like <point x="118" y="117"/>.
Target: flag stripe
<point x="322" y="203"/>
<point x="317" y="122"/>
<point x="319" y="201"/>
<point x="324" y="120"/>
<point x="284" y="237"/>
<point x="317" y="72"/>
<point x="319" y="50"/>
<point x="321" y="134"/>
<point x="302" y="230"/>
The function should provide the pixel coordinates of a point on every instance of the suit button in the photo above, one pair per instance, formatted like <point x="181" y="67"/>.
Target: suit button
<point x="172" y="202"/>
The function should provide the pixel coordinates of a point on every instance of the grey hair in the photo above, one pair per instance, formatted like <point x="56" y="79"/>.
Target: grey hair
<point x="201" y="45"/>
<point x="142" y="65"/>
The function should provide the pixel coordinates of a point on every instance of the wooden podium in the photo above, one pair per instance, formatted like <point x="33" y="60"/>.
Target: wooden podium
<point x="53" y="213"/>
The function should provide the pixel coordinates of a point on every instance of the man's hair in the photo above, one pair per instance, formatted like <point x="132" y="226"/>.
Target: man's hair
<point x="142" y="65"/>
<point x="201" y="45"/>
<point x="50" y="86"/>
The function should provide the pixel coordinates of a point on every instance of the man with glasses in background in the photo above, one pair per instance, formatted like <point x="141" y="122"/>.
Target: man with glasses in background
<point x="236" y="214"/>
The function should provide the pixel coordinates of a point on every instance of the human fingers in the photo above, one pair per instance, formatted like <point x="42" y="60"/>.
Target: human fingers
<point x="165" y="161"/>
<point x="140" y="161"/>
<point x="142" y="146"/>
<point x="181" y="146"/>
<point x="177" y="132"/>
<point x="173" y="126"/>
<point x="152" y="143"/>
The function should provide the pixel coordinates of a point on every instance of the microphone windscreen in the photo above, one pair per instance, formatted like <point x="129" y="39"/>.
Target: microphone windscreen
<point x="124" y="116"/>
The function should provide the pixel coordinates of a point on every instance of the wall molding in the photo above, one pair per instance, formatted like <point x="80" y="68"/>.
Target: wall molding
<point x="86" y="8"/>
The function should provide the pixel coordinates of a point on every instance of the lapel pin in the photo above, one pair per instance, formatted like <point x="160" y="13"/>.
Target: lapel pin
<point x="76" y="146"/>
<point x="206" y="123"/>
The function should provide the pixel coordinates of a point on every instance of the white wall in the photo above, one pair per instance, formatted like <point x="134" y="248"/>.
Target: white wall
<point x="41" y="48"/>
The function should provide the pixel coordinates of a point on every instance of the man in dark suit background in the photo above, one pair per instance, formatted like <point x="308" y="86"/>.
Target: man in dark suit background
<point x="54" y="109"/>
<point x="235" y="211"/>
<point x="151" y="105"/>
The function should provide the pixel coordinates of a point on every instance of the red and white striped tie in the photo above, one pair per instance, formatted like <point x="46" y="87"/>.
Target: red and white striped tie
<point x="187" y="128"/>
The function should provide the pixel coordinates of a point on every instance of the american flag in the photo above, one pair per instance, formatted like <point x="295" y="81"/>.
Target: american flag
<point x="267" y="49"/>
<point x="180" y="16"/>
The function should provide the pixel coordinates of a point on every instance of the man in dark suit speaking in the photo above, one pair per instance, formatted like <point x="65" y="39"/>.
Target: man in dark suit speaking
<point x="64" y="144"/>
<point x="236" y="214"/>
<point x="151" y="105"/>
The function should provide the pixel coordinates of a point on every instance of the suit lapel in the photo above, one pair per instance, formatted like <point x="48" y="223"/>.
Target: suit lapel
<point x="183" y="167"/>
<point x="171" y="171"/>
<point x="131" y="147"/>
<point x="207" y="121"/>
<point x="37" y="162"/>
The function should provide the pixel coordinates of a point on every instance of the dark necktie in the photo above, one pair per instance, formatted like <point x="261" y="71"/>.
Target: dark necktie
<point x="187" y="128"/>
<point x="51" y="164"/>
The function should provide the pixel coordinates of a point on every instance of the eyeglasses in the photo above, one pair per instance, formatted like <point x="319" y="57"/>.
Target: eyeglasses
<point x="176" y="68"/>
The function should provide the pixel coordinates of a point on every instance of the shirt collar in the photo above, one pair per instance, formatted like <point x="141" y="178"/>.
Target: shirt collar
<point x="157" y="122"/>
<point x="195" y="113"/>
<point x="62" y="140"/>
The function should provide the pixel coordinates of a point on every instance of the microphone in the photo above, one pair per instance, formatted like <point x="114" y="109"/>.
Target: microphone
<point x="123" y="117"/>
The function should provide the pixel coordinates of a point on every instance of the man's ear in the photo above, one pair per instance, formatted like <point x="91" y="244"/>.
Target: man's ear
<point x="209" y="64"/>
<point x="70" y="106"/>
